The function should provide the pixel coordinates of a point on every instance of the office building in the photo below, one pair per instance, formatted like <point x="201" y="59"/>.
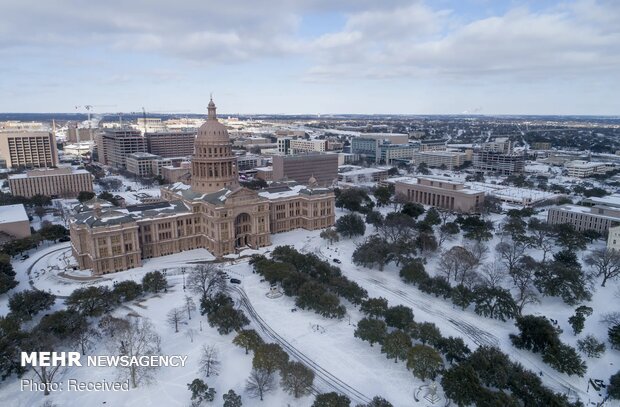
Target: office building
<point x="599" y="218"/>
<point x="33" y="149"/>
<point x="117" y="144"/>
<point x="436" y="159"/>
<point x="302" y="167"/>
<point x="53" y="182"/>
<point x="583" y="169"/>
<point x="171" y="143"/>
<point x="146" y="165"/>
<point x="441" y="193"/>
<point x="500" y="163"/>
<point x="14" y="223"/>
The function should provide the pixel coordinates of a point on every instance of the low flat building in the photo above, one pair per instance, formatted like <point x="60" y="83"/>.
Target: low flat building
<point x="598" y="218"/>
<point x="441" y="193"/>
<point x="57" y="182"/>
<point x="146" y="165"/>
<point x="302" y="167"/>
<point x="363" y="175"/>
<point x="264" y="173"/>
<point x="433" y="145"/>
<point x="14" y="222"/>
<point x="582" y="169"/>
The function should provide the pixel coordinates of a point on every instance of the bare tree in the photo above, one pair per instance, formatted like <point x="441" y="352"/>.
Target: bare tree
<point x="209" y="362"/>
<point x="459" y="263"/>
<point x="523" y="275"/>
<point x="206" y="278"/>
<point x="510" y="253"/>
<point x="478" y="249"/>
<point x="190" y="306"/>
<point x="40" y="340"/>
<point x="259" y="383"/>
<point x="175" y="317"/>
<point x="139" y="339"/>
<point x="110" y="325"/>
<point x="190" y="333"/>
<point x="543" y="240"/>
<point x="494" y="273"/>
<point x="604" y="263"/>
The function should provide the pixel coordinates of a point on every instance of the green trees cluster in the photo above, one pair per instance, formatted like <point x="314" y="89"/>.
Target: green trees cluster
<point x="488" y="377"/>
<point x="222" y="314"/>
<point x="419" y="345"/>
<point x="539" y="336"/>
<point x="7" y="274"/>
<point x="489" y="301"/>
<point x="316" y="283"/>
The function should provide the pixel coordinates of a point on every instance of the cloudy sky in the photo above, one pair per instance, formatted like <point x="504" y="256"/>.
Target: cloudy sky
<point x="312" y="56"/>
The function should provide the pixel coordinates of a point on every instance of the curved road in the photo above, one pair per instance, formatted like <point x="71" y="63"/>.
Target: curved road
<point x="329" y="380"/>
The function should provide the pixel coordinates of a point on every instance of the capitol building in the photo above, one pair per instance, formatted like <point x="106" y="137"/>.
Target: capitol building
<point x="213" y="212"/>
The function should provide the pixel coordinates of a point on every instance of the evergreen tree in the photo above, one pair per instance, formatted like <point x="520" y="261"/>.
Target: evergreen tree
<point x="91" y="301"/>
<point x="494" y="302"/>
<point x="424" y="362"/>
<point x="375" y="251"/>
<point x="232" y="399"/>
<point x="535" y="334"/>
<point x="248" y="339"/>
<point x="154" y="281"/>
<point x="399" y="316"/>
<point x="200" y="391"/>
<point x="127" y="290"/>
<point x="614" y="336"/>
<point x="563" y="277"/>
<point x="565" y="359"/>
<point x="371" y="330"/>
<point x="374" y="307"/>
<point x="412" y="209"/>
<point x="26" y="304"/>
<point x="350" y="225"/>
<point x="426" y="332"/>
<point x="331" y="400"/>
<point x="613" y="389"/>
<point x="269" y="357"/>
<point x="453" y="349"/>
<point x="413" y="272"/>
<point x="396" y="345"/>
<point x="227" y="319"/>
<point x="578" y="320"/>
<point x="377" y="402"/>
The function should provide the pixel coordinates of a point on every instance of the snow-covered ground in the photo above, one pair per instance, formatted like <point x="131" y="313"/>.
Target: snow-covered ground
<point x="343" y="362"/>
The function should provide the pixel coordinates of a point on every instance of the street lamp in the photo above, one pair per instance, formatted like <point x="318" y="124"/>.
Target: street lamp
<point x="183" y="273"/>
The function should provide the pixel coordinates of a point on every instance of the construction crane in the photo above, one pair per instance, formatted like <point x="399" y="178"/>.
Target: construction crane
<point x="143" y="113"/>
<point x="88" y="109"/>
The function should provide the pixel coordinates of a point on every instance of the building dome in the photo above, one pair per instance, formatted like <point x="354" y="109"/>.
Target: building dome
<point x="212" y="131"/>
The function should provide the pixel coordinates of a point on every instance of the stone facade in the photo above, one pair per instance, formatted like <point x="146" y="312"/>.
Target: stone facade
<point x="441" y="193"/>
<point x="53" y="182"/>
<point x="214" y="213"/>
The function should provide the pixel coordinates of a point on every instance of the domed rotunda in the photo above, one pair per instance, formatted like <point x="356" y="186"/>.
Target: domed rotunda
<point x="214" y="166"/>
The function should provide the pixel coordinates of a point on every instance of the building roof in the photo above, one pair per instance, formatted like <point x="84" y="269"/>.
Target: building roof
<point x="13" y="213"/>
<point x="212" y="131"/>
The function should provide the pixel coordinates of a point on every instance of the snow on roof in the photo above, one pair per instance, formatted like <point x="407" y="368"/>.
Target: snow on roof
<point x="363" y="171"/>
<point x="611" y="200"/>
<point x="13" y="213"/>
<point x="289" y="192"/>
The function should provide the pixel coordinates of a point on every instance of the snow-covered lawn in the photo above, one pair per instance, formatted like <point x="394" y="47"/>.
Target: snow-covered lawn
<point x="329" y="344"/>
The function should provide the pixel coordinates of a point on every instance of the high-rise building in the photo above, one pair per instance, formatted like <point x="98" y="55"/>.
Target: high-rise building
<point x="117" y="144"/>
<point x="302" y="167"/>
<point x="171" y="144"/>
<point x="33" y="149"/>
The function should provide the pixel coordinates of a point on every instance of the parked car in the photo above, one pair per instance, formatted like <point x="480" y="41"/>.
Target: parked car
<point x="25" y="257"/>
<point x="337" y="261"/>
<point x="235" y="281"/>
<point x="64" y="239"/>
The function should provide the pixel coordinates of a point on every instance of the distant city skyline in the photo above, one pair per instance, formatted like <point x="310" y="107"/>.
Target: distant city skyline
<point x="530" y="57"/>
